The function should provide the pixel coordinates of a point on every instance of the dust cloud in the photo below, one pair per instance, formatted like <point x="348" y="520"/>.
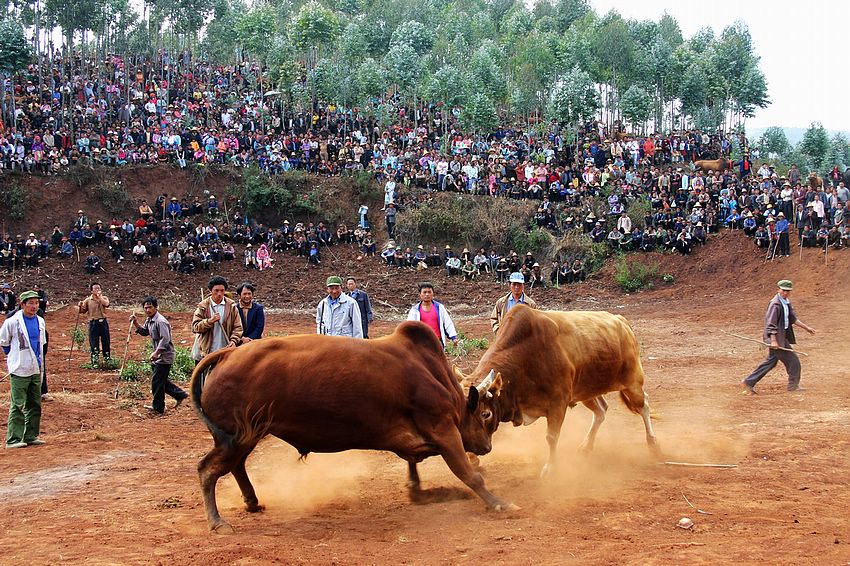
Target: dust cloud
<point x="620" y="460"/>
<point x="284" y="482"/>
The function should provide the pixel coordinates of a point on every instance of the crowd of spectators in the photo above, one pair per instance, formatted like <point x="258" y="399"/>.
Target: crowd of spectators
<point x="183" y="111"/>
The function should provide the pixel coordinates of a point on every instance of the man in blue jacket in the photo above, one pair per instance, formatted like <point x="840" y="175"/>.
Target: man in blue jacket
<point x="251" y="312"/>
<point x="362" y="301"/>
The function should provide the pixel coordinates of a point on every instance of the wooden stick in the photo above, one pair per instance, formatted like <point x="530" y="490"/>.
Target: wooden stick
<point x="694" y="508"/>
<point x="766" y="345"/>
<point x="678" y="544"/>
<point x="386" y="304"/>
<point x="691" y="465"/>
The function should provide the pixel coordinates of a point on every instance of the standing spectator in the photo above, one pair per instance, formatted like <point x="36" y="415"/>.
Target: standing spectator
<point x="390" y="216"/>
<point x="216" y="321"/>
<point x="515" y="297"/>
<point x="338" y="314"/>
<point x="251" y="312"/>
<point x="162" y="358"/>
<point x="779" y="333"/>
<point x="362" y="302"/>
<point x="434" y="314"/>
<point x="95" y="305"/>
<point x="22" y="338"/>
<point x="8" y="300"/>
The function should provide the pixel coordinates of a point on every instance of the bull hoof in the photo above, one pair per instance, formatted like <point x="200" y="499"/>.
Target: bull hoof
<point x="223" y="528"/>
<point x="547" y="471"/>
<point x="506" y="508"/>
<point x="254" y="507"/>
<point x="584" y="448"/>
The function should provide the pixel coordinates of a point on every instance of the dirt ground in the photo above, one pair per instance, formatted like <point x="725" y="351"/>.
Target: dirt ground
<point x="113" y="486"/>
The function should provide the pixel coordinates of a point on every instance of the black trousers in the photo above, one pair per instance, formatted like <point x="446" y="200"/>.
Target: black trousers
<point x="99" y="337"/>
<point x="160" y="385"/>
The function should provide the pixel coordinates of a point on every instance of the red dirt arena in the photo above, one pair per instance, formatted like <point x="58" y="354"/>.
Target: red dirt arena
<point x="113" y="486"/>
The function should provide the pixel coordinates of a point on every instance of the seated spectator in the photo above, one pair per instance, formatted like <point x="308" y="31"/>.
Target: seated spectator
<point x="140" y="252"/>
<point x="264" y="258"/>
<point x="369" y="247"/>
<point x="314" y="258"/>
<point x="577" y="271"/>
<point x="469" y="270"/>
<point x="453" y="266"/>
<point x="249" y="257"/>
<point x="174" y="259"/>
<point x="535" y="277"/>
<point x="205" y="258"/>
<point x="66" y="250"/>
<point x="93" y="264"/>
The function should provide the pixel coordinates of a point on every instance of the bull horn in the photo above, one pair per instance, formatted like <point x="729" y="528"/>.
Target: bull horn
<point x="484" y="386"/>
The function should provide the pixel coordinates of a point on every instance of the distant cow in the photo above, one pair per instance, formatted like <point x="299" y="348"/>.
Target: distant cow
<point x="547" y="361"/>
<point x="718" y="165"/>
<point x="329" y="394"/>
<point x="815" y="181"/>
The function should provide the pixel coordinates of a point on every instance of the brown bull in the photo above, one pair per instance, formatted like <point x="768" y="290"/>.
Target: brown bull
<point x="329" y="394"/>
<point x="547" y="361"/>
<point x="815" y="181"/>
<point x="718" y="165"/>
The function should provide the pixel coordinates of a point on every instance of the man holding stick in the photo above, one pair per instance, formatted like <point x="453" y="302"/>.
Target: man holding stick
<point x="779" y="333"/>
<point x="95" y="305"/>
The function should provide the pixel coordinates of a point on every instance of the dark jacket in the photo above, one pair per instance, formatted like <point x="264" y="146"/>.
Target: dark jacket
<point x="253" y="324"/>
<point x="365" y="309"/>
<point x="774" y="323"/>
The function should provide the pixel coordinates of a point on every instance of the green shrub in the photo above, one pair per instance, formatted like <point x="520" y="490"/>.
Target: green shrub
<point x="114" y="196"/>
<point x="135" y="371"/>
<point x="16" y="200"/>
<point x="79" y="337"/>
<point x="633" y="275"/>
<point x="466" y="345"/>
<point x="367" y="189"/>
<point x="181" y="369"/>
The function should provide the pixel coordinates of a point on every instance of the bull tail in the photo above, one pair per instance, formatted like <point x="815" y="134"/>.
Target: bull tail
<point x="199" y="376"/>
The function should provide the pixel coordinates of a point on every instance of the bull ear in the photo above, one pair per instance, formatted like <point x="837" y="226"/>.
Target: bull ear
<point x="496" y="388"/>
<point x="472" y="400"/>
<point x="458" y="374"/>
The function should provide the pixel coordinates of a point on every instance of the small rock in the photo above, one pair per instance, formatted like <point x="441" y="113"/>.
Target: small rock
<point x="685" y="523"/>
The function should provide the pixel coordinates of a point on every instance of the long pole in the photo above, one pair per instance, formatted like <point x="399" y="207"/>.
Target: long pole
<point x="73" y="336"/>
<point x="765" y="345"/>
<point x="123" y="362"/>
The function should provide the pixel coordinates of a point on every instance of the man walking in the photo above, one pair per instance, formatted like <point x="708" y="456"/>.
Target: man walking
<point x="95" y="305"/>
<point x="338" y="314"/>
<point x="22" y="338"/>
<point x="515" y="297"/>
<point x="779" y="333"/>
<point x="362" y="302"/>
<point x="162" y="358"/>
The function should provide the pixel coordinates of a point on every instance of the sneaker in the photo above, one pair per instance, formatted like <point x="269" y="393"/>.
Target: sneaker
<point x="16" y="445"/>
<point x="46" y="397"/>
<point x="748" y="390"/>
<point x="796" y="388"/>
<point x="151" y="409"/>
<point x="180" y="401"/>
<point x="36" y="442"/>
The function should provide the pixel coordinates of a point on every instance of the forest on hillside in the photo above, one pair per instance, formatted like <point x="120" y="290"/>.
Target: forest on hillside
<point x="490" y="60"/>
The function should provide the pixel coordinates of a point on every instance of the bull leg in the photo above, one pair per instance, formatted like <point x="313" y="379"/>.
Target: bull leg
<point x="218" y="462"/>
<point x="451" y="449"/>
<point x="554" y="422"/>
<point x="651" y="440"/>
<point x="413" y="483"/>
<point x="252" y="505"/>
<point x="599" y="407"/>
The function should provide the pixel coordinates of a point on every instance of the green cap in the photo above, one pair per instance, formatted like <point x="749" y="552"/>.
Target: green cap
<point x="785" y="285"/>
<point x="28" y="295"/>
<point x="333" y="280"/>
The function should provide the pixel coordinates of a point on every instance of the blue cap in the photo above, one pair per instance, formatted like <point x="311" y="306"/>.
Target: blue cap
<point x="517" y="277"/>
